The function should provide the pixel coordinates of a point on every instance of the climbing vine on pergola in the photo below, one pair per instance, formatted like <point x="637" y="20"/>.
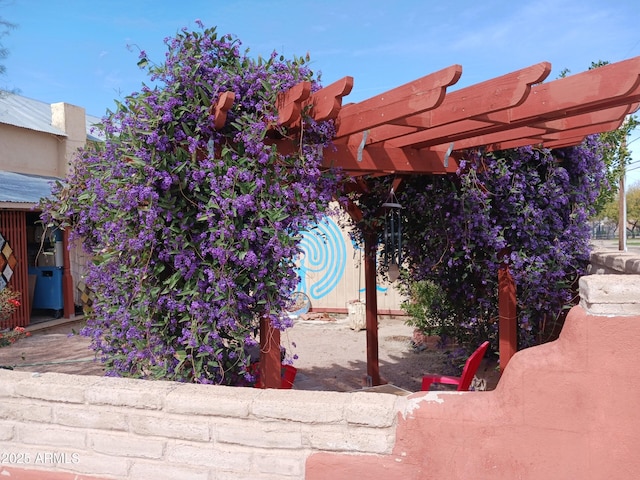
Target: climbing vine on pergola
<point x="419" y="128"/>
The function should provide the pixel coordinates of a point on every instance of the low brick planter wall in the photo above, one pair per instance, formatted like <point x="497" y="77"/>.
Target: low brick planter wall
<point x="133" y="429"/>
<point x="614" y="262"/>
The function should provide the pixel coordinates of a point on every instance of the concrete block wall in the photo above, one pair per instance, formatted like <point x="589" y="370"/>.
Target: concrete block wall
<point x="610" y="294"/>
<point x="614" y="262"/>
<point x="112" y="428"/>
<point x="613" y="286"/>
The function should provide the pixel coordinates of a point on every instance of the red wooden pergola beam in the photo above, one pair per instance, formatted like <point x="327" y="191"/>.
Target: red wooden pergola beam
<point x="534" y="134"/>
<point x="326" y="103"/>
<point x="220" y="107"/>
<point x="289" y="103"/>
<point x="491" y="96"/>
<point x="591" y="118"/>
<point x="538" y="133"/>
<point x="415" y="97"/>
<point x="582" y="131"/>
<point x="270" y="361"/>
<point x="488" y="97"/>
<point x="388" y="160"/>
<point x="565" y="142"/>
<point x="457" y="133"/>
<point x="604" y="87"/>
<point x="560" y="133"/>
<point x="547" y="102"/>
<point x="507" y="316"/>
<point x="379" y="160"/>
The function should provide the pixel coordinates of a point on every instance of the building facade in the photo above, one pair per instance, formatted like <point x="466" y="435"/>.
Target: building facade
<point x="37" y="142"/>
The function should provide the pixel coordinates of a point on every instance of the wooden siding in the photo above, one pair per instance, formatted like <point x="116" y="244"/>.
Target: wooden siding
<point x="13" y="227"/>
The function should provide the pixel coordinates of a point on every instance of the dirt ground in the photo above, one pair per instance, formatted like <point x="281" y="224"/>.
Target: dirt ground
<point x="331" y="356"/>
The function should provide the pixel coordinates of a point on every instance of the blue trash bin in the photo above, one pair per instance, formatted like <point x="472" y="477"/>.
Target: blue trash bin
<point x="48" y="291"/>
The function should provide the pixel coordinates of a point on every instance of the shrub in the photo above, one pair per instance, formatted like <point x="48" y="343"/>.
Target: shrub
<point x="9" y="302"/>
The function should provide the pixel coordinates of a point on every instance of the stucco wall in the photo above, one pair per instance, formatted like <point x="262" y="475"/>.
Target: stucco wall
<point x="28" y="151"/>
<point x="563" y="410"/>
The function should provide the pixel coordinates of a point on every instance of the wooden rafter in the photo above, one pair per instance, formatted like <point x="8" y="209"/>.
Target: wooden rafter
<point x="552" y="130"/>
<point x="418" y="96"/>
<point x="388" y="160"/>
<point x="219" y="109"/>
<point x="327" y="102"/>
<point x="289" y="104"/>
<point x="522" y="112"/>
<point x="414" y="128"/>
<point x="494" y="95"/>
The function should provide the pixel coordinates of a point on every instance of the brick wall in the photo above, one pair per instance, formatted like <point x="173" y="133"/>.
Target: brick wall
<point x="132" y="429"/>
<point x="614" y="262"/>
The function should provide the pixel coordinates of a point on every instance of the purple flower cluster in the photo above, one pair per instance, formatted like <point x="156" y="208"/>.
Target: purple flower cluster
<point x="526" y="207"/>
<point x="193" y="230"/>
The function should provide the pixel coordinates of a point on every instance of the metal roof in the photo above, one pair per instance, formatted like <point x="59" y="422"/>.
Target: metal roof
<point x="23" y="189"/>
<point x="27" y="113"/>
<point x="93" y="133"/>
<point x="35" y="115"/>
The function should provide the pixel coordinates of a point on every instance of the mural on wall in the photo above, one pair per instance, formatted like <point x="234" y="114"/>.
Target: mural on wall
<point x="331" y="270"/>
<point x="323" y="260"/>
<point x="7" y="262"/>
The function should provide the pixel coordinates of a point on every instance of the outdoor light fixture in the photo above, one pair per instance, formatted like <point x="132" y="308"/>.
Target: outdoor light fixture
<point x="392" y="236"/>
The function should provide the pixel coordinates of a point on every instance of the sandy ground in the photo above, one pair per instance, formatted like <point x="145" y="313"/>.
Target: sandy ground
<point x="331" y="356"/>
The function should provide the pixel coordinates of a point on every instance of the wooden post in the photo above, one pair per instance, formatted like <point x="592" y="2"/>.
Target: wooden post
<point x="507" y="326"/>
<point x="371" y="300"/>
<point x="270" y="363"/>
<point x="69" y="308"/>
<point x="622" y="207"/>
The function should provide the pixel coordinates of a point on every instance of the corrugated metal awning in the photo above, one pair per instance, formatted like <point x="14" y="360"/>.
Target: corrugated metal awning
<point x="19" y="189"/>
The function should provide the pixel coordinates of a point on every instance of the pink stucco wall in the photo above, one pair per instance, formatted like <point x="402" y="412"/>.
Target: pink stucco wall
<point x="564" y="410"/>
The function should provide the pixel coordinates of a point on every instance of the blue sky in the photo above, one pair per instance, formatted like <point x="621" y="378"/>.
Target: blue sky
<point x="85" y="53"/>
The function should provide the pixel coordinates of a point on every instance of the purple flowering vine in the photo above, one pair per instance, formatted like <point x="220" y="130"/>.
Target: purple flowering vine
<point x="526" y="207"/>
<point x="193" y="229"/>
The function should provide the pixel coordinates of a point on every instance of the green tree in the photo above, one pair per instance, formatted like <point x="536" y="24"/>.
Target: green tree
<point x="633" y="209"/>
<point x="617" y="156"/>
<point x="615" y="153"/>
<point x="609" y="212"/>
<point x="5" y="28"/>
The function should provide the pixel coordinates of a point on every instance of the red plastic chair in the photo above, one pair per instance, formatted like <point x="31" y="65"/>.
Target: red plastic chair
<point x="288" y="373"/>
<point x="464" y="381"/>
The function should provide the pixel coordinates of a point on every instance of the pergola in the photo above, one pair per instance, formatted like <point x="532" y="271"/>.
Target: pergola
<point x="420" y="128"/>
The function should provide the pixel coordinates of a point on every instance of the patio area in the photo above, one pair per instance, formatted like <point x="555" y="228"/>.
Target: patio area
<point x="331" y="356"/>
